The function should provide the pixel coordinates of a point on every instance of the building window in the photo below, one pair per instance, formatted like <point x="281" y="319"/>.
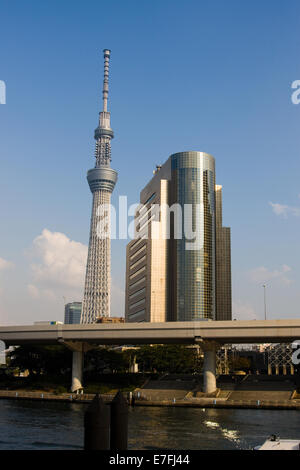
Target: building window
<point x="136" y="314"/>
<point x="138" y="292"/>
<point x="137" y="282"/>
<point x="137" y="272"/>
<point x="136" y="304"/>
<point x="137" y="262"/>
<point x="137" y="252"/>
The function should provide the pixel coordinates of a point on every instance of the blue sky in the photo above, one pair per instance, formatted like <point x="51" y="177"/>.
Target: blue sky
<point x="209" y="76"/>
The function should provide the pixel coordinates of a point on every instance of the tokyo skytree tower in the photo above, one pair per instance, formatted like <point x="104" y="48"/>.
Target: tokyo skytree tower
<point x="102" y="180"/>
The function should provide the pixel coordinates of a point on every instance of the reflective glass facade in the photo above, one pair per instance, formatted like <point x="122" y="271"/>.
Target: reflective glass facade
<point x="192" y="280"/>
<point x="73" y="313"/>
<point x="223" y="263"/>
<point x="176" y="278"/>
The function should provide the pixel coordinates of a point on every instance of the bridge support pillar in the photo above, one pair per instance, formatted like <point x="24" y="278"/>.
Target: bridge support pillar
<point x="78" y="348"/>
<point x="134" y="367"/>
<point x="209" y="366"/>
<point x="77" y="369"/>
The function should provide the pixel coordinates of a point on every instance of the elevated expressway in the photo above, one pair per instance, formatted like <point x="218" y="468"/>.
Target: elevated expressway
<point x="210" y="335"/>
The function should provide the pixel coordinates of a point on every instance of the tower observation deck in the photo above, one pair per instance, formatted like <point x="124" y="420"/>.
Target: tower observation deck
<point x="102" y="180"/>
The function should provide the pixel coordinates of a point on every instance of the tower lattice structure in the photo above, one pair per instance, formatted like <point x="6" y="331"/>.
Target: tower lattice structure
<point x="102" y="180"/>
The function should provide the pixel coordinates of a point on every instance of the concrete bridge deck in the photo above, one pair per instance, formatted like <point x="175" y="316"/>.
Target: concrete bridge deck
<point x="266" y="331"/>
<point x="209" y="334"/>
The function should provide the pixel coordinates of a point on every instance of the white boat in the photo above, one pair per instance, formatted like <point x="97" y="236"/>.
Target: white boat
<point x="275" y="443"/>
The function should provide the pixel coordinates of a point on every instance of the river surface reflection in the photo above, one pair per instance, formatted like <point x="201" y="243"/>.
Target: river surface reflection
<point x="48" y="425"/>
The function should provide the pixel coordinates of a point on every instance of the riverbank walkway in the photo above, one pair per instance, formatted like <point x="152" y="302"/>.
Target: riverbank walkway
<point x="251" y="391"/>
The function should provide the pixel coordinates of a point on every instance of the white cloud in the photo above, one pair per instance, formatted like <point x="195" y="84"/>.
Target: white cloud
<point x="284" y="210"/>
<point x="4" y="264"/>
<point x="37" y="292"/>
<point x="262" y="274"/>
<point x="33" y="291"/>
<point x="58" y="266"/>
<point x="243" y="311"/>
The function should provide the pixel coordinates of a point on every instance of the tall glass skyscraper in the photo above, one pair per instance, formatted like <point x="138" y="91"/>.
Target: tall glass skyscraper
<point x="223" y="265"/>
<point x="185" y="276"/>
<point x="192" y="289"/>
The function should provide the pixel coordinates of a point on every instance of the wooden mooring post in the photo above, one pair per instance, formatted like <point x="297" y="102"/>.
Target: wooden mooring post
<point x="97" y="425"/>
<point x="106" y="425"/>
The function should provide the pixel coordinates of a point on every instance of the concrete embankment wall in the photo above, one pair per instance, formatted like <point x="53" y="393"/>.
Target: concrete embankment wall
<point x="194" y="403"/>
<point x="268" y="405"/>
<point x="65" y="397"/>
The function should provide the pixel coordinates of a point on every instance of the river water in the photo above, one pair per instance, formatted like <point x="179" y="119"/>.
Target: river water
<point x="49" y="425"/>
